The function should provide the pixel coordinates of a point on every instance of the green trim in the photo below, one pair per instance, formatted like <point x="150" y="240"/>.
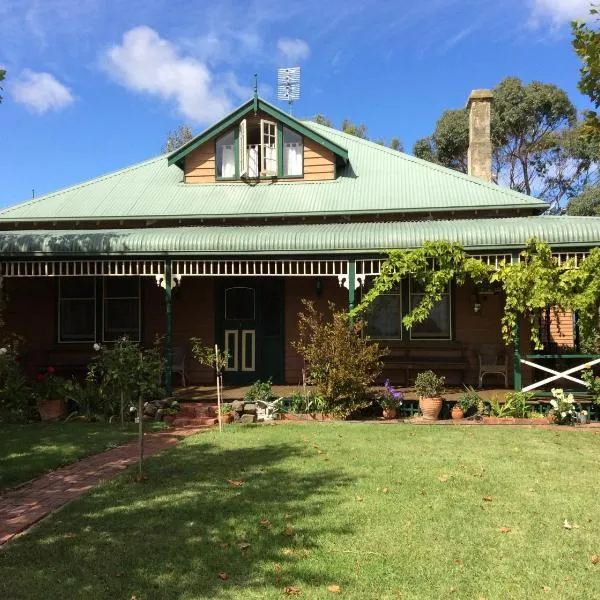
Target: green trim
<point x="279" y="150"/>
<point x="351" y="283"/>
<point x="260" y="105"/>
<point x="168" y="329"/>
<point x="236" y="151"/>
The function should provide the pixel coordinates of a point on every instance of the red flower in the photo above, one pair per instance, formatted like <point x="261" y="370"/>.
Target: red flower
<point x="50" y="370"/>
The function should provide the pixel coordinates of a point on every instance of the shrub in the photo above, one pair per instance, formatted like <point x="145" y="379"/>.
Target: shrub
<point x="563" y="407"/>
<point x="429" y="385"/>
<point x="390" y="397"/>
<point x="15" y="393"/>
<point x="260" y="390"/>
<point x="49" y="386"/>
<point x="516" y="404"/>
<point x="469" y="399"/>
<point x="88" y="398"/>
<point x="593" y="384"/>
<point x="341" y="362"/>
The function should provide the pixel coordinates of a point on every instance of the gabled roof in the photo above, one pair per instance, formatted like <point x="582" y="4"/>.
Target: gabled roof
<point x="376" y="181"/>
<point x="255" y="105"/>
<point x="501" y="235"/>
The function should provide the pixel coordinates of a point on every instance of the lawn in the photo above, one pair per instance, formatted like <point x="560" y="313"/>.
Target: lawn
<point x="27" y="451"/>
<point x="382" y="511"/>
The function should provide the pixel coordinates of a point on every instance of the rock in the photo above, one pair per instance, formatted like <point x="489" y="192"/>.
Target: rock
<point x="162" y="403"/>
<point x="247" y="418"/>
<point x="236" y="417"/>
<point x="159" y="414"/>
<point x="147" y="418"/>
<point x="175" y="404"/>
<point x="238" y="406"/>
<point x="250" y="408"/>
<point x="150" y="409"/>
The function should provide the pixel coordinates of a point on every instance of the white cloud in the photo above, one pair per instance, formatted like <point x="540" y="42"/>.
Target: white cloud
<point x="40" y="92"/>
<point x="559" y="11"/>
<point x="146" y="63"/>
<point x="294" y="49"/>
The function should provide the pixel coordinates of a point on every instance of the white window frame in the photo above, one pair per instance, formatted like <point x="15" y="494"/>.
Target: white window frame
<point x="105" y="297"/>
<point x="285" y="144"/>
<point x="450" y="323"/>
<point x="268" y="139"/>
<point x="248" y="333"/>
<point x="233" y="356"/>
<point x="232" y="145"/>
<point x="87" y="299"/>
<point x="242" y="150"/>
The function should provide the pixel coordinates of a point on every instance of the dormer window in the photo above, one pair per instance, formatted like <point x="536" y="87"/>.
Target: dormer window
<point x="225" y="159"/>
<point x="293" y="153"/>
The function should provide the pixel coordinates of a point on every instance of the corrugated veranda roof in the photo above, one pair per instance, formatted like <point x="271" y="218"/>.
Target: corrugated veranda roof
<point x="376" y="181"/>
<point x="473" y="234"/>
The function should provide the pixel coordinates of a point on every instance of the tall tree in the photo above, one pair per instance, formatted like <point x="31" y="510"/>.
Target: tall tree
<point x="537" y="141"/>
<point x="177" y="138"/>
<point x="323" y="120"/>
<point x="2" y="76"/>
<point x="359" y="130"/>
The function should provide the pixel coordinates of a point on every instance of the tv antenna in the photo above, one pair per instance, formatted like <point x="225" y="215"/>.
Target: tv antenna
<point x="288" y="85"/>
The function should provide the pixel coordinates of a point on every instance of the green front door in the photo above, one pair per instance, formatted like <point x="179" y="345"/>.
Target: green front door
<point x="250" y="329"/>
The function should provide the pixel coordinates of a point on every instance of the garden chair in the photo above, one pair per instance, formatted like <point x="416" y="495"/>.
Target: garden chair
<point x="265" y="411"/>
<point x="179" y="363"/>
<point x="492" y="360"/>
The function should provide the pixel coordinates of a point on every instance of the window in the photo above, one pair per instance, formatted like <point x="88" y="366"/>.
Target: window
<point x="89" y="308"/>
<point x="121" y="308"/>
<point x="77" y="309"/>
<point x="226" y="156"/>
<point x="384" y="316"/>
<point x="437" y="324"/>
<point x="293" y="153"/>
<point x="268" y="137"/>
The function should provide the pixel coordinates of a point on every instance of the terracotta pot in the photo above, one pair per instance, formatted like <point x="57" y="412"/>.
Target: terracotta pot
<point x="227" y="417"/>
<point x="389" y="413"/>
<point x="430" y="407"/>
<point x="457" y="412"/>
<point x="51" y="410"/>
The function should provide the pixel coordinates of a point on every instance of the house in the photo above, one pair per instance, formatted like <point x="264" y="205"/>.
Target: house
<point x="224" y="237"/>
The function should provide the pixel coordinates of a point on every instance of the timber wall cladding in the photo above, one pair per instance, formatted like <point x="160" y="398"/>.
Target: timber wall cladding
<point x="319" y="162"/>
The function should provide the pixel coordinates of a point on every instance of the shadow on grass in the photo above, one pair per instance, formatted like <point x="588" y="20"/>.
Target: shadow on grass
<point x="171" y="536"/>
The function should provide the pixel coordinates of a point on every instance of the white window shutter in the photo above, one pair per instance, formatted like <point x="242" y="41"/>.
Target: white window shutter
<point x="243" y="151"/>
<point x="268" y="139"/>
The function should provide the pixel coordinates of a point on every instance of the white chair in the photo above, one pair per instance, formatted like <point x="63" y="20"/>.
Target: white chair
<point x="492" y="361"/>
<point x="179" y="363"/>
<point x="265" y="411"/>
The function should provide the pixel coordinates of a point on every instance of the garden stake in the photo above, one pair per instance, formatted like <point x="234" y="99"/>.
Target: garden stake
<point x="218" y="371"/>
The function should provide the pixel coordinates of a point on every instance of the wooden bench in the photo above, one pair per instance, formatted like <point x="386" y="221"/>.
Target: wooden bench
<point x="410" y="358"/>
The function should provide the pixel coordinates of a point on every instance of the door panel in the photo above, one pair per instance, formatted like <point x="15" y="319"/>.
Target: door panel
<point x="231" y="348"/>
<point x="248" y="350"/>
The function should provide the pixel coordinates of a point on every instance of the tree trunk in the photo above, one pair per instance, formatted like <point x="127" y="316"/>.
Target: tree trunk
<point x="141" y="437"/>
<point x="122" y="410"/>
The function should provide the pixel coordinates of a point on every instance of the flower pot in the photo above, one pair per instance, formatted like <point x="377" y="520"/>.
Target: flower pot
<point x="51" y="410"/>
<point x="430" y="407"/>
<point x="389" y="413"/>
<point x="227" y="417"/>
<point x="457" y="412"/>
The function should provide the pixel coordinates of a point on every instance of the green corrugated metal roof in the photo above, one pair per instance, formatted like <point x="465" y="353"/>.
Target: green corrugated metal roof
<point x="474" y="234"/>
<point x="376" y="180"/>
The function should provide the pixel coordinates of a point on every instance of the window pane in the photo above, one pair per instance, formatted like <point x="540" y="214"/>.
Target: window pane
<point x="121" y="317"/>
<point x="384" y="318"/>
<point x="239" y="303"/>
<point x="121" y="287"/>
<point x="437" y="324"/>
<point x="226" y="156"/>
<point x="77" y="319"/>
<point x="292" y="153"/>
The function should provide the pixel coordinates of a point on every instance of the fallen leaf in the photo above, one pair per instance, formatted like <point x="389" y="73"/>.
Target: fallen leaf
<point x="223" y="575"/>
<point x="224" y="544"/>
<point x="384" y="491"/>
<point x="487" y="498"/>
<point x="266" y="523"/>
<point x="291" y="590"/>
<point x="289" y="530"/>
<point x="458" y="562"/>
<point x="235" y="482"/>
<point x="567" y="525"/>
<point x="595" y="559"/>
<point x="287" y="551"/>
<point x="443" y="477"/>
<point x="359" y="498"/>
<point x="319" y="451"/>
<point x="334" y="589"/>
<point x="422" y="492"/>
<point x="546" y="589"/>
<point x="504" y="529"/>
<point x="244" y="546"/>
<point x="277" y="568"/>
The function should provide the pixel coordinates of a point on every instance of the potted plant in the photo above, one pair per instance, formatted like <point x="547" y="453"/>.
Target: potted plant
<point x="227" y="413"/>
<point x="429" y="387"/>
<point x="50" y="391"/>
<point x="390" y="399"/>
<point x="467" y="402"/>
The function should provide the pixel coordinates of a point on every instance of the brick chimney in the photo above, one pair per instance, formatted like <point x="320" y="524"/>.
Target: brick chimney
<point x="479" y="158"/>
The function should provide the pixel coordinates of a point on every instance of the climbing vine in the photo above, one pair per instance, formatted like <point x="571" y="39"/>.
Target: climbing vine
<point x="533" y="283"/>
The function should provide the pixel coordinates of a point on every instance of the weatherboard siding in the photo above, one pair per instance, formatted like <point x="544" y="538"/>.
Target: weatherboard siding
<point x="200" y="164"/>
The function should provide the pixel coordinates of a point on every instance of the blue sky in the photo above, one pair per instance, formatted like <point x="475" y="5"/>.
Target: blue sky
<point x="95" y="85"/>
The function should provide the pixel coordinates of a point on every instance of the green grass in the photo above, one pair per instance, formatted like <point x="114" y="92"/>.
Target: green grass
<point x="27" y="451"/>
<point x="431" y="535"/>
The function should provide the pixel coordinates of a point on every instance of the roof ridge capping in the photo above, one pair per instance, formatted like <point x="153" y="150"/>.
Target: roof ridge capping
<point x="227" y="121"/>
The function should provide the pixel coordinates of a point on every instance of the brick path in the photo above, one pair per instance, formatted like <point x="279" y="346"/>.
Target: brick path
<point x="24" y="506"/>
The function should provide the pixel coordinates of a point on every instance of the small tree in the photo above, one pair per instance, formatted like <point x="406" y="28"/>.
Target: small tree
<point x="341" y="361"/>
<point x="177" y="138"/>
